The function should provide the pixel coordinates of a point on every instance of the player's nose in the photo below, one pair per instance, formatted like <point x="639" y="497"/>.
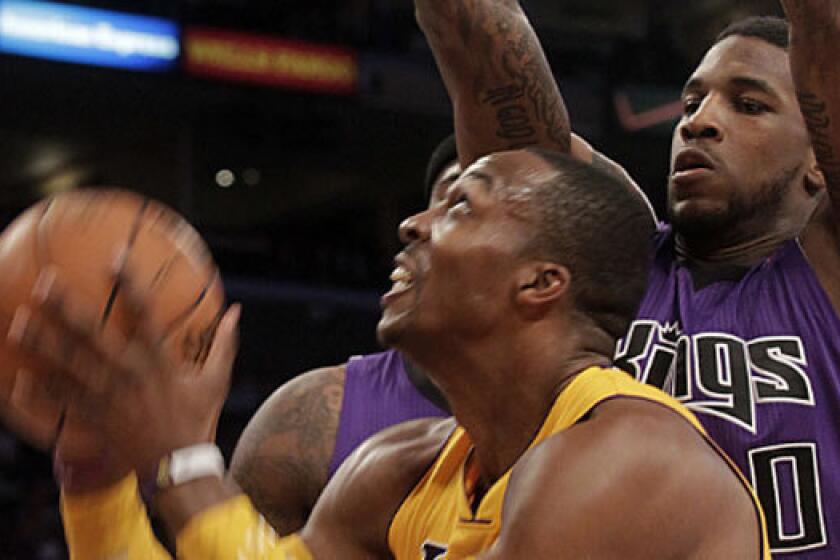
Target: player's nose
<point x="703" y="123"/>
<point x="416" y="227"/>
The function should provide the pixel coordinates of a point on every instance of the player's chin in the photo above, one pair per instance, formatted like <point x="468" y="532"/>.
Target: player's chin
<point x="390" y="328"/>
<point x="697" y="216"/>
<point x="399" y="326"/>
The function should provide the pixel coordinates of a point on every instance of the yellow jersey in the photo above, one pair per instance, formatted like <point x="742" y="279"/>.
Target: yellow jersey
<point x="436" y="521"/>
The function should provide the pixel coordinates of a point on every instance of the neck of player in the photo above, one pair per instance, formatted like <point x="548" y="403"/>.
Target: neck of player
<point x="501" y="387"/>
<point x="744" y="245"/>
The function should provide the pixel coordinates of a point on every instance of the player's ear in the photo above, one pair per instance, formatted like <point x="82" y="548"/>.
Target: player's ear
<point x="541" y="285"/>
<point x="814" y="180"/>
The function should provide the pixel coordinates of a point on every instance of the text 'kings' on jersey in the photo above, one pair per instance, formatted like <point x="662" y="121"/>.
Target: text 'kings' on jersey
<point x="757" y="359"/>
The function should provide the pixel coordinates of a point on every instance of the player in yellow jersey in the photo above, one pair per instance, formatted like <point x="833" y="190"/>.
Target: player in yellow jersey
<point x="510" y="294"/>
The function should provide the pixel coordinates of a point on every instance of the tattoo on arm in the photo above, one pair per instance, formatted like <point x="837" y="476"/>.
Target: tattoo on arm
<point x="516" y="76"/>
<point x="282" y="459"/>
<point x="515" y="124"/>
<point x="816" y="116"/>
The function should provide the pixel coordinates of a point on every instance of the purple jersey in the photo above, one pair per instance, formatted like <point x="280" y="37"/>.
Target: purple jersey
<point x="377" y="394"/>
<point x="756" y="359"/>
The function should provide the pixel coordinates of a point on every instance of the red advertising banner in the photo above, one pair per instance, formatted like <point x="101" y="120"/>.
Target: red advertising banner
<point x="275" y="62"/>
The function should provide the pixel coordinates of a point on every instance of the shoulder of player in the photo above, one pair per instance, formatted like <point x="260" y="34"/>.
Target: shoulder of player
<point x="309" y="403"/>
<point x="398" y="456"/>
<point x="624" y="470"/>
<point x="635" y="434"/>
<point x="313" y="383"/>
<point x="362" y="498"/>
<point x="645" y="438"/>
<point x="282" y="458"/>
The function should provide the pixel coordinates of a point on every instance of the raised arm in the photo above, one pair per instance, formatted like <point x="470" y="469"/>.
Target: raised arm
<point x="282" y="459"/>
<point x="503" y="92"/>
<point x="815" y="65"/>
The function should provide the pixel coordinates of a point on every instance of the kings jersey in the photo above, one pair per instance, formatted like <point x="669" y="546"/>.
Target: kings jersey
<point x="757" y="359"/>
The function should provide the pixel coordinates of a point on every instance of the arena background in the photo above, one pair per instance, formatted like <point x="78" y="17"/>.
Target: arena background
<point x="294" y="135"/>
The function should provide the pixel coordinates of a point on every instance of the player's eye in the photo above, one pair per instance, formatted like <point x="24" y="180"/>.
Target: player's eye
<point x="750" y="106"/>
<point x="459" y="203"/>
<point x="690" y="105"/>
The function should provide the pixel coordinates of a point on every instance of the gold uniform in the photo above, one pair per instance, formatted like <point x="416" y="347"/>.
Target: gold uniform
<point x="435" y="522"/>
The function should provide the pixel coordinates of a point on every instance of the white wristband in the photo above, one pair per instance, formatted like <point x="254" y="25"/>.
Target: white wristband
<point x="190" y="463"/>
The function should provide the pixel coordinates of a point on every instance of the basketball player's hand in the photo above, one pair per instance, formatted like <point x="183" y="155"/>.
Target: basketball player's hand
<point x="125" y="387"/>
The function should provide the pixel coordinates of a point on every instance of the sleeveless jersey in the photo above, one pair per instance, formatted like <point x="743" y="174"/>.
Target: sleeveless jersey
<point x="436" y="522"/>
<point x="756" y="359"/>
<point x="377" y="394"/>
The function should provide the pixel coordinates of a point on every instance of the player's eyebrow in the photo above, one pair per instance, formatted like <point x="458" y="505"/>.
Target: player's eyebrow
<point x="444" y="184"/>
<point x="451" y="176"/>
<point x="748" y="82"/>
<point x="741" y="82"/>
<point x="486" y="179"/>
<point x="693" y="84"/>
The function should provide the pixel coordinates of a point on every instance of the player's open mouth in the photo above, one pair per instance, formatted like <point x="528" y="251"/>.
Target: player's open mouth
<point x="402" y="278"/>
<point x="691" y="164"/>
<point x="403" y="281"/>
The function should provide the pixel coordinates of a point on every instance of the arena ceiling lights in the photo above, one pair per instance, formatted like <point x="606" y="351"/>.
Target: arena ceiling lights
<point x="88" y="36"/>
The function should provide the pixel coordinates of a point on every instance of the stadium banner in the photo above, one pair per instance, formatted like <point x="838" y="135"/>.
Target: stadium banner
<point x="228" y="55"/>
<point x="88" y="35"/>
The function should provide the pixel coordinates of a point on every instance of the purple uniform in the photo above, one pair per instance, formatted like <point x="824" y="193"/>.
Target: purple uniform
<point x="377" y="394"/>
<point x="756" y="359"/>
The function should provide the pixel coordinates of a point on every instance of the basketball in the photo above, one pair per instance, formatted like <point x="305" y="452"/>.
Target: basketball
<point x="81" y="234"/>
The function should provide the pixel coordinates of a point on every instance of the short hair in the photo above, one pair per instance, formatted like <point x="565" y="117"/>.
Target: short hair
<point x="771" y="29"/>
<point x="602" y="231"/>
<point x="444" y="154"/>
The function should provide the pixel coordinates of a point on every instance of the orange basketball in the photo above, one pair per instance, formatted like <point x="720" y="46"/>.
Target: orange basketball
<point x="81" y="233"/>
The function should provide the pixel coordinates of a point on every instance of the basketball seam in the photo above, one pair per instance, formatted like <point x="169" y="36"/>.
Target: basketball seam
<point x="132" y="238"/>
<point x="181" y="317"/>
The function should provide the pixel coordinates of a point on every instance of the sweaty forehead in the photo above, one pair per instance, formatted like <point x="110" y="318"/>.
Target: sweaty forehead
<point x="510" y="170"/>
<point x="738" y="56"/>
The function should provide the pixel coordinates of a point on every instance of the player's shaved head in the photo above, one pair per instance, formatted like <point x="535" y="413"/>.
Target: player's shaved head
<point x="591" y="223"/>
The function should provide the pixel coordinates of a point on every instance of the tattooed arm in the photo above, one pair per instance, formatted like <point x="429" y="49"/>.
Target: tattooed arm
<point x="282" y="459"/>
<point x="502" y="90"/>
<point x="815" y="65"/>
